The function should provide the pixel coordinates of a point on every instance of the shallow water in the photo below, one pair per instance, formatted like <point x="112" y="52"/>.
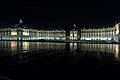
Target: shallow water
<point x="48" y="60"/>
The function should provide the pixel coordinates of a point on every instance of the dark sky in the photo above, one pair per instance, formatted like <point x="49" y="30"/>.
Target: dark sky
<point x="60" y="14"/>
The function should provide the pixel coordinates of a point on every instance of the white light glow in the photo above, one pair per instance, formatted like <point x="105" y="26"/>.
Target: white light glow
<point x="58" y="38"/>
<point x="13" y="33"/>
<point x="25" y="33"/>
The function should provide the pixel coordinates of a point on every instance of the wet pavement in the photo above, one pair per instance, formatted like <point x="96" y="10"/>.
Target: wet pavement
<point x="36" y="61"/>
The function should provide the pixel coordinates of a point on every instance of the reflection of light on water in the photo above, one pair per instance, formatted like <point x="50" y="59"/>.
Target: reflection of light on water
<point x="73" y="46"/>
<point x="13" y="46"/>
<point x="116" y="52"/>
<point x="26" y="46"/>
<point x="16" y="47"/>
<point x="105" y="48"/>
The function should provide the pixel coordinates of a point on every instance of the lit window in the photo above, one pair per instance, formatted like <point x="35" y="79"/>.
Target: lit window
<point x="13" y="33"/>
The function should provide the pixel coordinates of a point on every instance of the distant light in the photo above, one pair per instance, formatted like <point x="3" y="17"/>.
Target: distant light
<point x="58" y="38"/>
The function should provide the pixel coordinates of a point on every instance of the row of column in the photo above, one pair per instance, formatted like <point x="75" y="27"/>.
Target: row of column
<point x="108" y="33"/>
<point x="27" y="34"/>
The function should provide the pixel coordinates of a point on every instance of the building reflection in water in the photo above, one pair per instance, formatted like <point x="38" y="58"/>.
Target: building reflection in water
<point x="13" y="46"/>
<point x="23" y="47"/>
<point x="117" y="52"/>
<point x="73" y="47"/>
<point x="106" y="52"/>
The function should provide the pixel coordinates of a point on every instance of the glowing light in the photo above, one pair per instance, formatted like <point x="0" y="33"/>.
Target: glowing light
<point x="75" y="44"/>
<point x="71" y="44"/>
<point x="117" y="29"/>
<point x="25" y="33"/>
<point x="26" y="46"/>
<point x="63" y="38"/>
<point x="13" y="33"/>
<point x="58" y="38"/>
<point x="75" y="34"/>
<point x="71" y="34"/>
<point x="117" y="52"/>
<point x="13" y="46"/>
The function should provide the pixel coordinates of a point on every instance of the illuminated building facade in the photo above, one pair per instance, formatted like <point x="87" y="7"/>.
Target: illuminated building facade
<point x="105" y="34"/>
<point x="98" y="34"/>
<point x="20" y="32"/>
<point x="111" y="33"/>
<point x="74" y="34"/>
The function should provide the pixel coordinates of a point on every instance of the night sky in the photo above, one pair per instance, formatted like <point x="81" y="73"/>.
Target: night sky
<point x="61" y="14"/>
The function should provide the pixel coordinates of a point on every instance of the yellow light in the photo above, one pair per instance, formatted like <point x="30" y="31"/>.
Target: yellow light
<point x="25" y="33"/>
<point x="75" y="34"/>
<point x="117" y="29"/>
<point x="14" y="33"/>
<point x="13" y="46"/>
<point x="117" y="52"/>
<point x="71" y="44"/>
<point x="25" y="46"/>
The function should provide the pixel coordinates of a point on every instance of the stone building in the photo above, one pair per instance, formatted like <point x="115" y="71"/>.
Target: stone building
<point x="110" y="33"/>
<point x="20" y="32"/>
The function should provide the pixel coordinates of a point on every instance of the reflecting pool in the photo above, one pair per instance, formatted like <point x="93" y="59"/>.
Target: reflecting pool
<point x="45" y="60"/>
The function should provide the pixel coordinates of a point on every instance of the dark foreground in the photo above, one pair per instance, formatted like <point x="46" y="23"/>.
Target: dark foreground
<point x="86" y="61"/>
<point x="60" y="66"/>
